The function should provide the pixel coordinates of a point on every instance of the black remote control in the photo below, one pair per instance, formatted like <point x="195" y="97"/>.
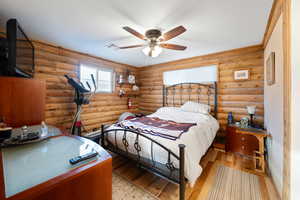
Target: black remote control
<point x="78" y="159"/>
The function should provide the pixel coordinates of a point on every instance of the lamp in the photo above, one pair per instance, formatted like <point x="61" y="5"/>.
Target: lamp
<point x="153" y="51"/>
<point x="251" y="112"/>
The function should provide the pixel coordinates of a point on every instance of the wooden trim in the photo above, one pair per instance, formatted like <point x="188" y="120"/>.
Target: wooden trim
<point x="287" y="97"/>
<point x="273" y="183"/>
<point x="273" y="18"/>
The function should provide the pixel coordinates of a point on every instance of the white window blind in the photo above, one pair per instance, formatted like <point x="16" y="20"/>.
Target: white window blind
<point x="192" y="75"/>
<point x="104" y="77"/>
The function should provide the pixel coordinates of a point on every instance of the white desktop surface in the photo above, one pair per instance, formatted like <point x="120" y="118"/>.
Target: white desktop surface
<point x="28" y="165"/>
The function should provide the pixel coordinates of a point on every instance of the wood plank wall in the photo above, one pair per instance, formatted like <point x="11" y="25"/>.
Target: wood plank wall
<point x="52" y="63"/>
<point x="234" y="96"/>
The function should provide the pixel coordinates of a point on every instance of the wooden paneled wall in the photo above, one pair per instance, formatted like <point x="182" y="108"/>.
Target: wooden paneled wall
<point x="234" y="96"/>
<point x="52" y="63"/>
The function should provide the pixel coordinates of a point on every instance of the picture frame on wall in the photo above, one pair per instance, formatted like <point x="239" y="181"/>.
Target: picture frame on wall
<point x="241" y="75"/>
<point x="270" y="69"/>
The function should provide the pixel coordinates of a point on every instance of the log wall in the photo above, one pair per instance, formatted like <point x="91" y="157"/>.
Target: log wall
<point x="52" y="63"/>
<point x="234" y="96"/>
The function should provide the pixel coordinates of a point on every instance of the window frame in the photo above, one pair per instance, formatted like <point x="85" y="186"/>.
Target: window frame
<point x="183" y="75"/>
<point x="100" y="68"/>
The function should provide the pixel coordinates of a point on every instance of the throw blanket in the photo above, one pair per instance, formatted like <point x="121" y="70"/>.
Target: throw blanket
<point x="155" y="126"/>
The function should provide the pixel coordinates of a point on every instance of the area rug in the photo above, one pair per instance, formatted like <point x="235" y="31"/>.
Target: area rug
<point x="232" y="184"/>
<point x="124" y="190"/>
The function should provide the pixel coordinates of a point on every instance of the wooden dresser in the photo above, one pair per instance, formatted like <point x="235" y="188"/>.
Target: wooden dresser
<point x="41" y="171"/>
<point x="248" y="142"/>
<point x="22" y="101"/>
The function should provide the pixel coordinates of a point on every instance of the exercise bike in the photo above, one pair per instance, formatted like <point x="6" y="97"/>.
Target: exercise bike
<point x="82" y="97"/>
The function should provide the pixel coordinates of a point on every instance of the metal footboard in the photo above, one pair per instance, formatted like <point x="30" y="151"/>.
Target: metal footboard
<point x="166" y="170"/>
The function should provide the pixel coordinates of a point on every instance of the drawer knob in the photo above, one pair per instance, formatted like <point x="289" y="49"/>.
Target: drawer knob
<point x="243" y="138"/>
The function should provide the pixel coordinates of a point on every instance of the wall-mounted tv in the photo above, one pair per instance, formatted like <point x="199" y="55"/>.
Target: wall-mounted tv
<point x="18" y="58"/>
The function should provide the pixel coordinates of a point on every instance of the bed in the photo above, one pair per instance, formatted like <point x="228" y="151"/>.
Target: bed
<point x="171" y="141"/>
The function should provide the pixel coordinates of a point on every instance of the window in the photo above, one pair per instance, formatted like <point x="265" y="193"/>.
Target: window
<point x="104" y="77"/>
<point x="192" y="75"/>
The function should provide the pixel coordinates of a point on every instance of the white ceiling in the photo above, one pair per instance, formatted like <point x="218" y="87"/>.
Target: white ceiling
<point x="89" y="26"/>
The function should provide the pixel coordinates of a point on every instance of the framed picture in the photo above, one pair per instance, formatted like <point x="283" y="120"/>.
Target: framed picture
<point x="241" y="75"/>
<point x="270" y="69"/>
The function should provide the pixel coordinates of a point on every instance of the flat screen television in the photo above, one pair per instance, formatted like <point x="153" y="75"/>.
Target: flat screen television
<point x="19" y="56"/>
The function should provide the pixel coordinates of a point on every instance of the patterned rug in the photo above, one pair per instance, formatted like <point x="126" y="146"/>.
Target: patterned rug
<point x="232" y="184"/>
<point x="124" y="190"/>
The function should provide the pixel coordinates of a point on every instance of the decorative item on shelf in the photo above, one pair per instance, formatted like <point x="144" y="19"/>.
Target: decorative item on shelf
<point x="270" y="69"/>
<point x="244" y="122"/>
<point x="230" y="119"/>
<point x="135" y="88"/>
<point x="120" y="79"/>
<point x="251" y="111"/>
<point x="121" y="92"/>
<point x="125" y="78"/>
<point x="131" y="79"/>
<point x="241" y="75"/>
<point x="129" y="103"/>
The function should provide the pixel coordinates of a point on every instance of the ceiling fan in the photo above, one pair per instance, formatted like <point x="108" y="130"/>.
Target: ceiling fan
<point x="155" y="40"/>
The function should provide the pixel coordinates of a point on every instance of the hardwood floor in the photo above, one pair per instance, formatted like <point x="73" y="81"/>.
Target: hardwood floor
<point x="165" y="190"/>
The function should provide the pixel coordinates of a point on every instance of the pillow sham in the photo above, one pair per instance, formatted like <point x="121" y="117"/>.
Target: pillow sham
<point x="191" y="106"/>
<point x="167" y="109"/>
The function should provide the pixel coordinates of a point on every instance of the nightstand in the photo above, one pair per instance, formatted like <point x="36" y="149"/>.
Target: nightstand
<point x="248" y="142"/>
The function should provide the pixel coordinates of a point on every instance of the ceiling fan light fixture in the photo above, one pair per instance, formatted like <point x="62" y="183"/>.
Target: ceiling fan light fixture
<point x="152" y="51"/>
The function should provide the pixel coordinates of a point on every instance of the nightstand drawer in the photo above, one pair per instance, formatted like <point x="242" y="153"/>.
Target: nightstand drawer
<point x="241" y="143"/>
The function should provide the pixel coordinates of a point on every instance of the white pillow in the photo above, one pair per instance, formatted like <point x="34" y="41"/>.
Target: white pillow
<point x="167" y="109"/>
<point x="191" y="106"/>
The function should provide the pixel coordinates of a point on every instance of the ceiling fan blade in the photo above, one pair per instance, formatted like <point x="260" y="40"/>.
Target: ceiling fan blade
<point x="132" y="46"/>
<point x="133" y="32"/>
<point x="173" y="33"/>
<point x="173" y="47"/>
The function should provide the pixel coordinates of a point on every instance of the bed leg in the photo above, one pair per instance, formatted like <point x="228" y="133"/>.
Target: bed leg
<point x="102" y="135"/>
<point x="181" y="172"/>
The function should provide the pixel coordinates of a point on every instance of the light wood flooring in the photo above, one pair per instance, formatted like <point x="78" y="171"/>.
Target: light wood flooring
<point x="165" y="190"/>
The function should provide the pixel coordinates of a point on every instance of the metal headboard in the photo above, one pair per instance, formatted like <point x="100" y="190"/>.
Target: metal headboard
<point x="173" y="95"/>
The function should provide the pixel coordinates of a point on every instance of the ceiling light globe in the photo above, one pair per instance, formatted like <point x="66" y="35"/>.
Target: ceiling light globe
<point x="152" y="52"/>
<point x="146" y="51"/>
<point x="156" y="51"/>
